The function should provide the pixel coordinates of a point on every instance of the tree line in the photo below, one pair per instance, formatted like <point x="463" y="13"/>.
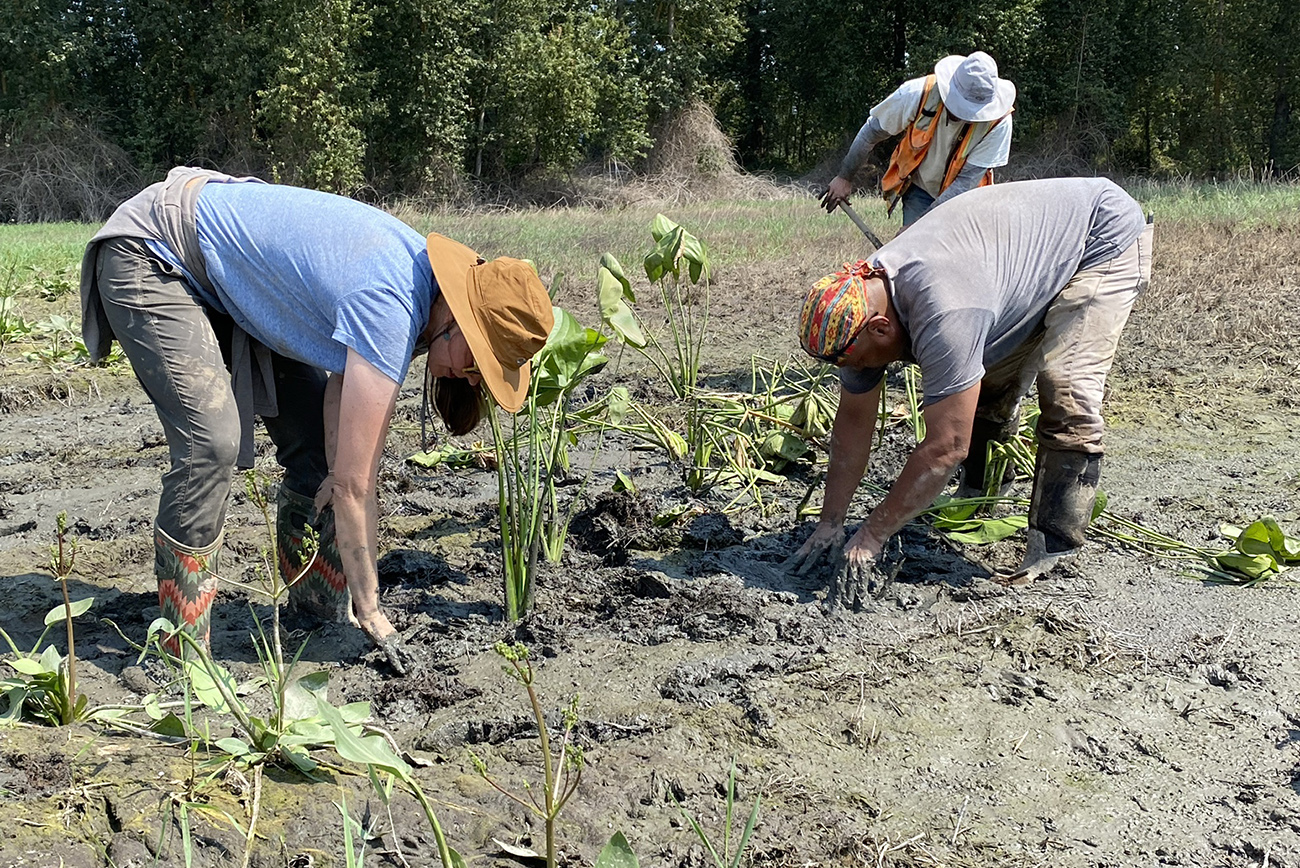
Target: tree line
<point x="416" y="97"/>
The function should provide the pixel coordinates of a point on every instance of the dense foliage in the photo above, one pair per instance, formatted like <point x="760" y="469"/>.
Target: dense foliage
<point x="418" y="97"/>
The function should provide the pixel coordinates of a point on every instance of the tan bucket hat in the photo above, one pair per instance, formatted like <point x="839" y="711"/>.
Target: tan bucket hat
<point x="502" y="309"/>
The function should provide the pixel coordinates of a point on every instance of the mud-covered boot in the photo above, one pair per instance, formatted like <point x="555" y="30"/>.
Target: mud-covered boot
<point x="187" y="584"/>
<point x="317" y="588"/>
<point x="1065" y="490"/>
<point x="974" y="467"/>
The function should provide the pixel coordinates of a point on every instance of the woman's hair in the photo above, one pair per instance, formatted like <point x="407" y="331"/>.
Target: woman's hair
<point x="459" y="404"/>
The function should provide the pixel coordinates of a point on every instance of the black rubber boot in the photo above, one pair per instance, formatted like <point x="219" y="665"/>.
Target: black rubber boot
<point x="1065" y="490"/>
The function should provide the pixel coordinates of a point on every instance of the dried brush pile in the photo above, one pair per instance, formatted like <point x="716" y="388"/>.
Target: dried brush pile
<point x="61" y="169"/>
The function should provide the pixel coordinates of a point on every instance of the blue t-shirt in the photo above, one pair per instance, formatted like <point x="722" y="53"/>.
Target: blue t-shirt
<point x="311" y="274"/>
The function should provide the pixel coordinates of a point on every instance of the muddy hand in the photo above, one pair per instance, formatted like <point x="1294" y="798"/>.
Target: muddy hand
<point x="824" y="546"/>
<point x="398" y="654"/>
<point x="857" y="581"/>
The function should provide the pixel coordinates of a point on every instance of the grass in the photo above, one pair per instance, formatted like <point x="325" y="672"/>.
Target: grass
<point x="767" y="251"/>
<point x="1245" y="202"/>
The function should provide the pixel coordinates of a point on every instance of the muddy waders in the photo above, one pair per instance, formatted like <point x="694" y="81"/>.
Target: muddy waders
<point x="1065" y="490"/>
<point x="322" y="590"/>
<point x="187" y="584"/>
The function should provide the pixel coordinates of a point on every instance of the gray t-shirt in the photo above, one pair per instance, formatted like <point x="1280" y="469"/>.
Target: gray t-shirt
<point x="973" y="278"/>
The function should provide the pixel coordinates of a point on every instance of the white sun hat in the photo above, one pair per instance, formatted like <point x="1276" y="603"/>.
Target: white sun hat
<point x="970" y="87"/>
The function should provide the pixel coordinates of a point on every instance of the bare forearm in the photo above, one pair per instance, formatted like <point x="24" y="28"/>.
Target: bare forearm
<point x="356" y="518"/>
<point x="923" y="479"/>
<point x="851" y="433"/>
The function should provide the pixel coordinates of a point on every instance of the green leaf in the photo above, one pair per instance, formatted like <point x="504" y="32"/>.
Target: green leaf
<point x="365" y="750"/>
<point x="170" y="725"/>
<point x="205" y="687"/>
<point x="79" y="607"/>
<point x="1249" y="566"/>
<point x="28" y="666"/>
<point x="623" y="483"/>
<point x="660" y="227"/>
<point x="664" y="258"/>
<point x="300" y="760"/>
<point x="301" y="694"/>
<point x="615" y="269"/>
<point x="613" y="294"/>
<point x="694" y="251"/>
<point x="236" y="747"/>
<point x="991" y="530"/>
<point x="569" y="356"/>
<point x="617" y="405"/>
<point x="783" y="444"/>
<point x="355" y="712"/>
<point x="1099" y="505"/>
<point x="617" y="854"/>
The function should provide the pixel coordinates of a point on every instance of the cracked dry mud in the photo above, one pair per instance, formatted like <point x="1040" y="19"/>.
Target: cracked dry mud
<point x="1121" y="712"/>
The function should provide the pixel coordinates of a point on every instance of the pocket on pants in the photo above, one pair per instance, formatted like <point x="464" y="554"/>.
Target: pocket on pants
<point x="1144" y="254"/>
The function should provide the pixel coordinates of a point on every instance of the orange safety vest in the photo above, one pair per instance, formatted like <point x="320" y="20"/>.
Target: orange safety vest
<point x="915" y="143"/>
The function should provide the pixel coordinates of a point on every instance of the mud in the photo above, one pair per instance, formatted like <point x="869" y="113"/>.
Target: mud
<point x="1119" y="712"/>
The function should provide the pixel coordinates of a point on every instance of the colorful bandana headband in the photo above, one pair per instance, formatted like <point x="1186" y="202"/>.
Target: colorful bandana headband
<point x="835" y="310"/>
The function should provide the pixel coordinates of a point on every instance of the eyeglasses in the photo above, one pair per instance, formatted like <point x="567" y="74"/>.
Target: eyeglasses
<point x="838" y="357"/>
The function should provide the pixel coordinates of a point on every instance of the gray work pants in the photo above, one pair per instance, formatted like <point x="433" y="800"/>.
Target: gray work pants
<point x="175" y="346"/>
<point x="1072" y="354"/>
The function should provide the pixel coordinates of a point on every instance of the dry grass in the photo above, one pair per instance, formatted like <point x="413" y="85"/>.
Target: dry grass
<point x="1221" y="306"/>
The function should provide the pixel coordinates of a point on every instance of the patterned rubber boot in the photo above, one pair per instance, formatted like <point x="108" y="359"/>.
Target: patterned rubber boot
<point x="321" y="590"/>
<point x="187" y="584"/>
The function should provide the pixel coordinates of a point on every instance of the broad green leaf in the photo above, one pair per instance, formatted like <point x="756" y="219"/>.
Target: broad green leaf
<point x="660" y="227"/>
<point x="170" y="725"/>
<point x="992" y="530"/>
<point x="51" y="659"/>
<point x="300" y="759"/>
<point x="614" y="294"/>
<point x="569" y="356"/>
<point x="153" y="708"/>
<point x="236" y="747"/>
<point x="696" y="254"/>
<point x="623" y="483"/>
<point x="617" y="405"/>
<point x="615" y="269"/>
<point x="301" y="694"/>
<point x="663" y="259"/>
<point x="355" y="712"/>
<point x="16" y="697"/>
<point x="1249" y="566"/>
<point x="617" y="854"/>
<point x="366" y="750"/>
<point x="205" y="688"/>
<point x="953" y="513"/>
<point x="79" y="607"/>
<point x="27" y="666"/>
<point x="783" y="444"/>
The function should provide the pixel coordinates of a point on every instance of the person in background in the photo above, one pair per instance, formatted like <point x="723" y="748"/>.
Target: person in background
<point x="234" y="298"/>
<point x="956" y="126"/>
